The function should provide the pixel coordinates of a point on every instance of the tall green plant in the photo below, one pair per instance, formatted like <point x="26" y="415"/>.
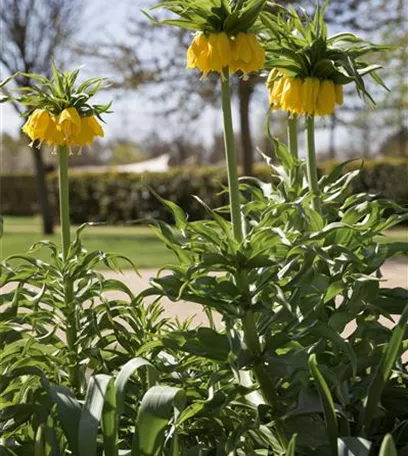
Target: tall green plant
<point x="310" y="279"/>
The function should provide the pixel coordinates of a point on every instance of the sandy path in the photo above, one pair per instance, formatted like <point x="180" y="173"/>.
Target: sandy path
<point x="395" y="275"/>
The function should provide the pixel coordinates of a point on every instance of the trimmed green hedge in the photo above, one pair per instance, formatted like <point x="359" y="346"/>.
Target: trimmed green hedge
<point x="114" y="197"/>
<point x="18" y="194"/>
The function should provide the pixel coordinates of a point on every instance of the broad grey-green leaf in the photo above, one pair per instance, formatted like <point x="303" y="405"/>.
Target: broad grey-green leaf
<point x="69" y="412"/>
<point x="327" y="403"/>
<point x="159" y="405"/>
<point x="384" y="369"/>
<point x="99" y="386"/>
<point x="126" y="373"/>
<point x="353" y="446"/>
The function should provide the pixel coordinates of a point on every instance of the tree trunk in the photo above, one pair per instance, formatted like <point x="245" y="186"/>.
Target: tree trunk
<point x="366" y="134"/>
<point x="332" y="149"/>
<point x="402" y="82"/>
<point x="42" y="191"/>
<point x="245" y="90"/>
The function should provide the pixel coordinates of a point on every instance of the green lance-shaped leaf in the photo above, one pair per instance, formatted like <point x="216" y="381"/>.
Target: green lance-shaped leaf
<point x="158" y="406"/>
<point x="327" y="403"/>
<point x="100" y="405"/>
<point x="178" y="213"/>
<point x="126" y="373"/>
<point x="388" y="447"/>
<point x="39" y="449"/>
<point x="384" y="369"/>
<point x="292" y="446"/>
<point x="52" y="447"/>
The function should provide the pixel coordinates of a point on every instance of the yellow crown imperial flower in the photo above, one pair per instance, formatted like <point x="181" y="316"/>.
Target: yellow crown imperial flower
<point x="43" y="127"/>
<point x="37" y="124"/>
<point x="90" y="128"/>
<point x="217" y="51"/>
<point x="303" y="96"/>
<point x="59" y="112"/>
<point x="209" y="53"/>
<point x="225" y="35"/>
<point x="66" y="129"/>
<point x="247" y="54"/>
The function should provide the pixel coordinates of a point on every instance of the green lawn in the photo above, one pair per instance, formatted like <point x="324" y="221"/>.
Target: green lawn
<point x="138" y="243"/>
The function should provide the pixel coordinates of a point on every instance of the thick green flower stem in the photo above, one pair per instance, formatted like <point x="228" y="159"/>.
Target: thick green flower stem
<point x="231" y="158"/>
<point x="248" y="323"/>
<point x="311" y="162"/>
<point x="69" y="307"/>
<point x="292" y="135"/>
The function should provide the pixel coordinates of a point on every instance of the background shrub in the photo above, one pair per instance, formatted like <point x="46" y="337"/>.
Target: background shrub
<point x="117" y="197"/>
<point x="18" y="194"/>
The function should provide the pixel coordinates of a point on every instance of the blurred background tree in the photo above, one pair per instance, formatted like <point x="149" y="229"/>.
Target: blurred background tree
<point x="160" y="108"/>
<point x="381" y="21"/>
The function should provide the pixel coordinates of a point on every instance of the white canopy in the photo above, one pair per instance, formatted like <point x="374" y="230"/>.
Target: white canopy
<point x="154" y="165"/>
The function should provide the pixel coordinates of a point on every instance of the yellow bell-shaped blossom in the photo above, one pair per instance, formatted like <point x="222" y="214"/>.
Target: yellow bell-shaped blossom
<point x="270" y="81"/>
<point x="339" y="94"/>
<point x="69" y="124"/>
<point x="326" y="99"/>
<point x="303" y="96"/>
<point x="90" y="128"/>
<point x="310" y="92"/>
<point x="37" y="124"/>
<point x="54" y="136"/>
<point x="219" y="51"/>
<point x="197" y="53"/>
<point x="209" y="53"/>
<point x="291" y="98"/>
<point x="247" y="54"/>
<point x="275" y="93"/>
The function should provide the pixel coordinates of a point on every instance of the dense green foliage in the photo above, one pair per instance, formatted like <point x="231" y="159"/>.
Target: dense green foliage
<point x="303" y="277"/>
<point x="116" y="197"/>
